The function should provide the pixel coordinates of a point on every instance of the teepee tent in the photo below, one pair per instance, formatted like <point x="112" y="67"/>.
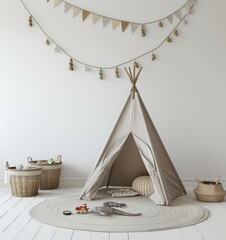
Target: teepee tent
<point x="135" y="149"/>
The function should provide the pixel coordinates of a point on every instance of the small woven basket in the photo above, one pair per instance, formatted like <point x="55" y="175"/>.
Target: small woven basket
<point x="209" y="191"/>
<point x="50" y="176"/>
<point x="25" y="182"/>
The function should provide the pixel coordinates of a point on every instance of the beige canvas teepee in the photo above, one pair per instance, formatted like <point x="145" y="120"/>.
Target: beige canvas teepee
<point x="135" y="149"/>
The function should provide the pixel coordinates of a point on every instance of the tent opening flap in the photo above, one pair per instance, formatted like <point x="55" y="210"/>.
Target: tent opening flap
<point x="128" y="165"/>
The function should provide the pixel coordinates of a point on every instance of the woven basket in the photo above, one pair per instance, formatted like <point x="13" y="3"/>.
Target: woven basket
<point x="209" y="191"/>
<point x="24" y="183"/>
<point x="50" y="176"/>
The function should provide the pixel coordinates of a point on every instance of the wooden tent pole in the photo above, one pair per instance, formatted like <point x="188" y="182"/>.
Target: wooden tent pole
<point x="133" y="78"/>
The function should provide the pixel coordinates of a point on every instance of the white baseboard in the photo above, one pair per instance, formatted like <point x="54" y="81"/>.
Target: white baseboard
<point x="191" y="182"/>
<point x="64" y="182"/>
<point x="73" y="182"/>
<point x="80" y="182"/>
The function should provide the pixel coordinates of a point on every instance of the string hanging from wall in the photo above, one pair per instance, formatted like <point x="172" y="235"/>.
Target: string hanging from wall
<point x="73" y="61"/>
<point x="76" y="11"/>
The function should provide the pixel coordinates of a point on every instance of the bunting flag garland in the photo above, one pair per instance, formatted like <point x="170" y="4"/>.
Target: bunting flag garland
<point x="76" y="11"/>
<point x="56" y="2"/>
<point x="170" y="19"/>
<point x="178" y="14"/>
<point x="105" y="21"/>
<point x="133" y="27"/>
<point x="85" y="14"/>
<point x="187" y="7"/>
<point x="115" y="23"/>
<point x="95" y="18"/>
<point x="124" y="23"/>
<point x="67" y="7"/>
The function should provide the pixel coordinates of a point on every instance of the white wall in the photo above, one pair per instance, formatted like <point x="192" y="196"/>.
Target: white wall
<point x="46" y="110"/>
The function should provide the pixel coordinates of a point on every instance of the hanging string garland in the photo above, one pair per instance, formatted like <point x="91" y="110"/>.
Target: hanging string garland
<point x="116" y="72"/>
<point x="142" y="31"/>
<point x="47" y="42"/>
<point x="153" y="57"/>
<point x="124" y="23"/>
<point x="136" y="65"/>
<point x="71" y="65"/>
<point x="100" y="74"/>
<point x="30" y="23"/>
<point x="176" y="32"/>
<point x="160" y="24"/>
<point x="58" y="48"/>
<point x="169" y="39"/>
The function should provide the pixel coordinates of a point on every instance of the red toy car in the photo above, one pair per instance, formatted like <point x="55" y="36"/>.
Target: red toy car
<point x="82" y="209"/>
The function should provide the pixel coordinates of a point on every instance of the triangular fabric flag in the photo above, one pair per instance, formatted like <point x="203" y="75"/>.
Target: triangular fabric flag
<point x="95" y="18"/>
<point x="115" y="23"/>
<point x="133" y="27"/>
<point x="105" y="21"/>
<point x="170" y="19"/>
<point x="178" y="14"/>
<point x="187" y="7"/>
<point x="56" y="2"/>
<point x="76" y="11"/>
<point x="67" y="7"/>
<point x="85" y="14"/>
<point x="124" y="25"/>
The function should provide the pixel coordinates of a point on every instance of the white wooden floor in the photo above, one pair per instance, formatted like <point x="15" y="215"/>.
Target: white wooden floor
<point x="15" y="222"/>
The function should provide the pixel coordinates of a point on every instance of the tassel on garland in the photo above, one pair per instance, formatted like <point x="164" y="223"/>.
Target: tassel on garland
<point x="30" y="23"/>
<point x="116" y="72"/>
<point x="47" y="42"/>
<point x="100" y="74"/>
<point x="136" y="65"/>
<point x="169" y="40"/>
<point x="71" y="65"/>
<point x="160" y="24"/>
<point x="176" y="33"/>
<point x="153" y="57"/>
<point x="142" y="31"/>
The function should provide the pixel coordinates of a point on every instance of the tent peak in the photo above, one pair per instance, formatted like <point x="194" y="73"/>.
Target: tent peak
<point x="133" y="76"/>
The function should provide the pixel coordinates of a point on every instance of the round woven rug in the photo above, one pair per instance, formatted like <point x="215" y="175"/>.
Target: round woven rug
<point x="181" y="213"/>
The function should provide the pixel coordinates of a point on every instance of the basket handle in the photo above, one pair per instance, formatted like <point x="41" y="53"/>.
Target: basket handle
<point x="29" y="159"/>
<point x="59" y="157"/>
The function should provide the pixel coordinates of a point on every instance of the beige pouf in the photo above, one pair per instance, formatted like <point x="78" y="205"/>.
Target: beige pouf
<point x="143" y="185"/>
